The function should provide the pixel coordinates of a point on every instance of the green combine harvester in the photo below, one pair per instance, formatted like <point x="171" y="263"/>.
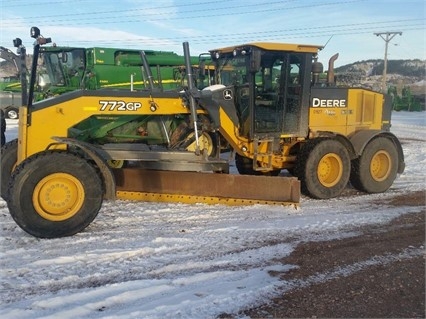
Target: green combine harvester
<point x="68" y="69"/>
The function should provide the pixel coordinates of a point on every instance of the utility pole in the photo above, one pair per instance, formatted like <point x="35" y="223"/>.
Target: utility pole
<point x="387" y="36"/>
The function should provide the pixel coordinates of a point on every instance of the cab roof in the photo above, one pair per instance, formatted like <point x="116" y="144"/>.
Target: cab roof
<point x="274" y="46"/>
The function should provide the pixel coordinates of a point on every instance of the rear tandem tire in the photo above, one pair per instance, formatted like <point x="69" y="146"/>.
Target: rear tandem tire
<point x="323" y="168"/>
<point x="376" y="169"/>
<point x="9" y="154"/>
<point x="55" y="194"/>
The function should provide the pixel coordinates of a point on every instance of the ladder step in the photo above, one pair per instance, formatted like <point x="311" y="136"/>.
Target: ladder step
<point x="259" y="155"/>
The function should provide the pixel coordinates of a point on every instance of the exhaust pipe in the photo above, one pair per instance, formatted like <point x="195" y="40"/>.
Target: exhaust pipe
<point x="330" y="73"/>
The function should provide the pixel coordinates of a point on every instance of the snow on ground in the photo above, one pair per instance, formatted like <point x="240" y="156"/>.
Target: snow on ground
<point x="161" y="260"/>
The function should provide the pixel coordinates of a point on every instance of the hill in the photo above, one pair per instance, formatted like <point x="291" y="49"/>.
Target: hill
<point x="410" y="68"/>
<point x="400" y="73"/>
<point x="8" y="69"/>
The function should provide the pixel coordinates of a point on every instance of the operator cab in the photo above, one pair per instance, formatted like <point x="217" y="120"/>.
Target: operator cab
<point x="60" y="68"/>
<point x="271" y="84"/>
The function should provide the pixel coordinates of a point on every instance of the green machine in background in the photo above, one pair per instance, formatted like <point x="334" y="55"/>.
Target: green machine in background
<point x="67" y="69"/>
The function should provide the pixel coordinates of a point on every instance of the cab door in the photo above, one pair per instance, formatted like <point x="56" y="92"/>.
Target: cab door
<point x="281" y="101"/>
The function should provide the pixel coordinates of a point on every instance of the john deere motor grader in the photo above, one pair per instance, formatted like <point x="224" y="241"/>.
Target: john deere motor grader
<point x="268" y="105"/>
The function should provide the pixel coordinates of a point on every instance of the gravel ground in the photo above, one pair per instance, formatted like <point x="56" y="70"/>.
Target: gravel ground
<point x="386" y="277"/>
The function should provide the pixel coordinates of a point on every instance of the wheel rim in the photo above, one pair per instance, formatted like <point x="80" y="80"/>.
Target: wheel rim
<point x="12" y="114"/>
<point x="380" y="166"/>
<point x="205" y="141"/>
<point x="330" y="170"/>
<point x="58" y="197"/>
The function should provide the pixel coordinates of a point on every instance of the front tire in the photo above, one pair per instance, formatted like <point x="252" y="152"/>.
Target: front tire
<point x="55" y="194"/>
<point x="323" y="168"/>
<point x="376" y="169"/>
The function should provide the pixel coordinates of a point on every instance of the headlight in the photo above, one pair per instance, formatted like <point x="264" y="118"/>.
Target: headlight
<point x="34" y="32"/>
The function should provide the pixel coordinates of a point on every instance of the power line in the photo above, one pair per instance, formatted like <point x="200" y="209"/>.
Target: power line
<point x="16" y="3"/>
<point x="322" y="30"/>
<point x="328" y="31"/>
<point x="317" y="31"/>
<point x="152" y="16"/>
<point x="154" y="8"/>
<point x="138" y="43"/>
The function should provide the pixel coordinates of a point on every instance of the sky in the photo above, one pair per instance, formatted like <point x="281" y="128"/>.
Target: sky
<point x="167" y="260"/>
<point x="346" y="27"/>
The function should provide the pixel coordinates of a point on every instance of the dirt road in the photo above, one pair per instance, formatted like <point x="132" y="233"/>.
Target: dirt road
<point x="380" y="274"/>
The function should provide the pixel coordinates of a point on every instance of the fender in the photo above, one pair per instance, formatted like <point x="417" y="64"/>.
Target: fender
<point x="99" y="158"/>
<point x="342" y="139"/>
<point x="360" y="140"/>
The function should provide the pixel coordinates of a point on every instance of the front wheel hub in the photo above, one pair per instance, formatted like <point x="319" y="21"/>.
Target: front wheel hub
<point x="58" y="197"/>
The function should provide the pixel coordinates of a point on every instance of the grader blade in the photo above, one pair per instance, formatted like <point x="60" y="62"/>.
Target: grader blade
<point x="210" y="188"/>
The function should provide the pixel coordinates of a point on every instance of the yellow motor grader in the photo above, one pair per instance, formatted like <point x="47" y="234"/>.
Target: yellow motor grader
<point x="268" y="109"/>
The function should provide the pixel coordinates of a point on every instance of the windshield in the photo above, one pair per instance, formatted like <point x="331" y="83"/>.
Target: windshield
<point x="232" y="70"/>
<point x="58" y="68"/>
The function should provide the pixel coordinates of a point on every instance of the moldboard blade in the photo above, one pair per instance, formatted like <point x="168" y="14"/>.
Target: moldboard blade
<point x="211" y="188"/>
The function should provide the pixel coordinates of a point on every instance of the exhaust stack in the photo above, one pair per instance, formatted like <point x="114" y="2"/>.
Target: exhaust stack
<point x="330" y="73"/>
